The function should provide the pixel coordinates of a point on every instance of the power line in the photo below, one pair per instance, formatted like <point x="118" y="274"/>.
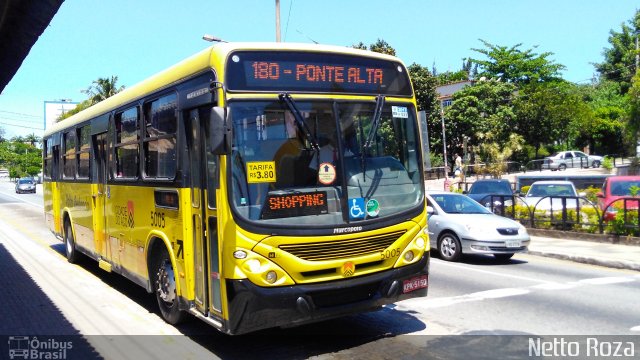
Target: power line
<point x="286" y="29"/>
<point x="20" y="114"/>
<point x="21" y="126"/>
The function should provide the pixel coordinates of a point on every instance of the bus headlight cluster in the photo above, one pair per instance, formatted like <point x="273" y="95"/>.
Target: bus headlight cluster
<point x="260" y="270"/>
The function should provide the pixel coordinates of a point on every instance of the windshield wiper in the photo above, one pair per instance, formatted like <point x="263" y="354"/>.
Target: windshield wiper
<point x="302" y="126"/>
<point x="375" y="122"/>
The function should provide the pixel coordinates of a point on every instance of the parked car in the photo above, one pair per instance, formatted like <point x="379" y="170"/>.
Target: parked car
<point x="25" y="185"/>
<point x="459" y="225"/>
<point x="571" y="159"/>
<point x="548" y="195"/>
<point x="488" y="191"/>
<point x="614" y="188"/>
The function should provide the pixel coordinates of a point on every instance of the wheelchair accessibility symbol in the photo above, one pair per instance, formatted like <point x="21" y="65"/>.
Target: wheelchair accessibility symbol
<point x="356" y="208"/>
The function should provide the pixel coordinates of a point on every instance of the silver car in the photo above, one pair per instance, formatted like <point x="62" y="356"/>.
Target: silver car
<point x="459" y="225"/>
<point x="25" y="186"/>
<point x="553" y="195"/>
<point x="571" y="159"/>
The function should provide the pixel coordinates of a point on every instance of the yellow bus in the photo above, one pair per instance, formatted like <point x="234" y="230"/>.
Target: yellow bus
<point x="251" y="185"/>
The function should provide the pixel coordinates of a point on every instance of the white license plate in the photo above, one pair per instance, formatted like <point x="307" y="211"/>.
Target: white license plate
<point x="513" y="243"/>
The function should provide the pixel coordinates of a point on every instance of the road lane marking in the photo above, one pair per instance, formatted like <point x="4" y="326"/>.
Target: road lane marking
<point x="494" y="273"/>
<point x="606" y="280"/>
<point x="555" y="286"/>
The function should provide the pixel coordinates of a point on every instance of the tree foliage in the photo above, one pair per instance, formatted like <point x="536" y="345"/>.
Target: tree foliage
<point x="485" y="107"/>
<point x="619" y="59"/>
<point x="102" y="88"/>
<point x="510" y="64"/>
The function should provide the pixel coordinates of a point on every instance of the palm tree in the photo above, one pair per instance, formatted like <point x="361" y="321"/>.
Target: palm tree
<point x="32" y="139"/>
<point x="103" y="88"/>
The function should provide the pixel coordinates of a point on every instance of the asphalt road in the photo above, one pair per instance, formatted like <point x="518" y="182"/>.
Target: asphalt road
<point x="531" y="296"/>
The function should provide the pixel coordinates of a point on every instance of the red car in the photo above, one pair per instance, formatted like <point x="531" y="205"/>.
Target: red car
<point x="618" y="187"/>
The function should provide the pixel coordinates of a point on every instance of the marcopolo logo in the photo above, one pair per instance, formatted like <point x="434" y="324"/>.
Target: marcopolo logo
<point x="25" y="347"/>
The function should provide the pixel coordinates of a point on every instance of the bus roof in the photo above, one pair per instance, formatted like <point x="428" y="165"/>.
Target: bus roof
<point x="196" y="64"/>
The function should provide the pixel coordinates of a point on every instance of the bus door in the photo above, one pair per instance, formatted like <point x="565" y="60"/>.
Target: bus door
<point x="55" y="190"/>
<point x="204" y="182"/>
<point x="98" y="190"/>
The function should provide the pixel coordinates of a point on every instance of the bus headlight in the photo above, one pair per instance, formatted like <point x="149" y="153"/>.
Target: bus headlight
<point x="420" y="242"/>
<point x="272" y="276"/>
<point x="408" y="256"/>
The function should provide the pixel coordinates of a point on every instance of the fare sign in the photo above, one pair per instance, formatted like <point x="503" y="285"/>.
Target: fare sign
<point x="315" y="72"/>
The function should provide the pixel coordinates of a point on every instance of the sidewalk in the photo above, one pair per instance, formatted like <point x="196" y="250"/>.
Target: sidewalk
<point x="588" y="252"/>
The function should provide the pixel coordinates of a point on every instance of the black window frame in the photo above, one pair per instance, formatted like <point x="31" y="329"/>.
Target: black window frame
<point x="69" y="155"/>
<point x="83" y="149"/>
<point x="153" y="134"/>
<point x="118" y="143"/>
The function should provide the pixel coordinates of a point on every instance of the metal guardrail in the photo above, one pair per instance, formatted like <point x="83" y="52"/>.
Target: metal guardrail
<point x="561" y="216"/>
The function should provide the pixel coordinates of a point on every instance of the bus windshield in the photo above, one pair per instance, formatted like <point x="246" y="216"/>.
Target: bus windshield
<point x="305" y="162"/>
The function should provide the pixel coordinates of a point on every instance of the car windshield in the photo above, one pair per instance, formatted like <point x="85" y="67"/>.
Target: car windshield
<point x="459" y="204"/>
<point x="541" y="190"/>
<point x="623" y="188"/>
<point x="497" y="188"/>
<point x="300" y="162"/>
<point x="25" y="181"/>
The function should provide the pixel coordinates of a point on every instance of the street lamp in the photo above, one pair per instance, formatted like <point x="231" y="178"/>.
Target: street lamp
<point x="211" y="38"/>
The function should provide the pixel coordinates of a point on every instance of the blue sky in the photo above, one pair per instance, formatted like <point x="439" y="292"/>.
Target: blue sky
<point x="133" y="40"/>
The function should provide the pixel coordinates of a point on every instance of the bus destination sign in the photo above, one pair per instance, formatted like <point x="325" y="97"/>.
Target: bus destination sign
<point x="295" y="204"/>
<point x="315" y="72"/>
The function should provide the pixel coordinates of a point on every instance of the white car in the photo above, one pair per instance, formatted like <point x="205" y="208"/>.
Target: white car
<point x="553" y="195"/>
<point x="460" y="225"/>
<point x="571" y="159"/>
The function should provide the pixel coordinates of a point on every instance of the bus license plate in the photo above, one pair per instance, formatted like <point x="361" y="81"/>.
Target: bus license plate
<point x="513" y="243"/>
<point x="415" y="283"/>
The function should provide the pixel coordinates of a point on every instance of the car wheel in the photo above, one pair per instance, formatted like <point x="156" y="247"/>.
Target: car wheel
<point x="165" y="289"/>
<point x="596" y="163"/>
<point x="562" y="167"/>
<point x="449" y="247"/>
<point x="69" y="244"/>
<point x="503" y="257"/>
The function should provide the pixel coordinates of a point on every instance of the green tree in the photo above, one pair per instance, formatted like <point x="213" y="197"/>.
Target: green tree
<point x="619" y="60"/>
<point x="381" y="46"/>
<point x="81" y="106"/>
<point x="485" y="107"/>
<point x="510" y="64"/>
<point x="606" y="130"/>
<point x="550" y="113"/>
<point x="424" y="86"/>
<point x="32" y="139"/>
<point x="634" y="108"/>
<point x="103" y="88"/>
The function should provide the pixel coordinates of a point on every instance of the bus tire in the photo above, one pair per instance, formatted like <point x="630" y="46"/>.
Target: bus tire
<point x="69" y="243"/>
<point x="164" y="282"/>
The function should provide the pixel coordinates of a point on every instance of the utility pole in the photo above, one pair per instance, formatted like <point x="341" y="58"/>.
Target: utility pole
<point x="277" y="20"/>
<point x="637" y="34"/>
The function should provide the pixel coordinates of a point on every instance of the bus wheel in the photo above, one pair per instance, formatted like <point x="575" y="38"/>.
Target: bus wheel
<point x="69" y="243"/>
<point x="165" y="286"/>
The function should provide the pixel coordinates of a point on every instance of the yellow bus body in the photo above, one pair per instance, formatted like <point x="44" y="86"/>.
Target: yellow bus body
<point x="121" y="224"/>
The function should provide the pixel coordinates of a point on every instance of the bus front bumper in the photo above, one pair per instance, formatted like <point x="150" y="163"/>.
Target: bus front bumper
<point x="253" y="308"/>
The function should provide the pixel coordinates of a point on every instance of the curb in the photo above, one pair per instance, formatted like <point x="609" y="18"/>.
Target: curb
<point x="571" y="235"/>
<point x="616" y="264"/>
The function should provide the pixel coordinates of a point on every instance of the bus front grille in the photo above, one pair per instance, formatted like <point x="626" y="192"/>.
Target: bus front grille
<point x="329" y="250"/>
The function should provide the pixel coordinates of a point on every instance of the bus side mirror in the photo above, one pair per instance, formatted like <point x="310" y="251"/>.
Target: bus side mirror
<point x="219" y="132"/>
